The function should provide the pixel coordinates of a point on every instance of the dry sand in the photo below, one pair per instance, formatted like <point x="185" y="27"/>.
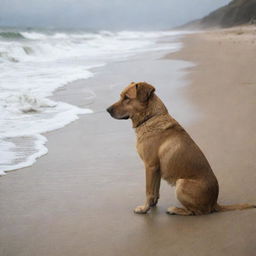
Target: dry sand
<point x="78" y="199"/>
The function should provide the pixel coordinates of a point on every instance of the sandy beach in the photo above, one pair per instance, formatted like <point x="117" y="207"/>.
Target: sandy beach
<point x="79" y="198"/>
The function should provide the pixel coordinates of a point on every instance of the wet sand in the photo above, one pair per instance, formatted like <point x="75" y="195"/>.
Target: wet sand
<point x="78" y="199"/>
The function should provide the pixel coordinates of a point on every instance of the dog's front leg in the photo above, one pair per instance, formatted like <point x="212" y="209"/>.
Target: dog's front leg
<point x="151" y="181"/>
<point x="156" y="189"/>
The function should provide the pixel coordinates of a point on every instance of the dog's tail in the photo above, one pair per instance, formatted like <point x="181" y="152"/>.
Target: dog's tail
<point x="232" y="207"/>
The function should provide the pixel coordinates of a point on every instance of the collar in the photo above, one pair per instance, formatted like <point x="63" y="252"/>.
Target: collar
<point x="155" y="124"/>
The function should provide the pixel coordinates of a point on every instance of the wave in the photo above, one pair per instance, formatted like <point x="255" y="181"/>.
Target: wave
<point x="20" y="152"/>
<point x="25" y="103"/>
<point x="11" y="35"/>
<point x="52" y="46"/>
<point x="7" y="57"/>
<point x="25" y="118"/>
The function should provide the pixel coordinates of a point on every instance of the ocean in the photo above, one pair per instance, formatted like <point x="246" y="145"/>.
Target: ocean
<point x="34" y="63"/>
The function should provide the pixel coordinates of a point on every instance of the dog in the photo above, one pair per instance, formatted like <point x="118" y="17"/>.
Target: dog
<point x="168" y="152"/>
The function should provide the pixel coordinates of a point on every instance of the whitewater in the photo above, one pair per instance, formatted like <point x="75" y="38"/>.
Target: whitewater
<point x="34" y="63"/>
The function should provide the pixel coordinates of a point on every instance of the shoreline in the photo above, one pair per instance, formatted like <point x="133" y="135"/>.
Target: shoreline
<point x="26" y="108"/>
<point x="78" y="199"/>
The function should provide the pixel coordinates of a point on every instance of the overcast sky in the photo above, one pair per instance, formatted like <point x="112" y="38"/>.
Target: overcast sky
<point x="104" y="14"/>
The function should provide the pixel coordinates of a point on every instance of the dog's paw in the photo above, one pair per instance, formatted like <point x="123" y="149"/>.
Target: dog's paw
<point x="171" y="213"/>
<point x="179" y="211"/>
<point x="142" y="209"/>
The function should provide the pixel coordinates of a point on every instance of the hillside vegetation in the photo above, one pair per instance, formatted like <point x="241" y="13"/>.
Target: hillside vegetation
<point x="237" y="12"/>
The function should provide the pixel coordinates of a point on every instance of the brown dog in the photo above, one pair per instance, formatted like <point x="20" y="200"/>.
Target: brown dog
<point x="168" y="152"/>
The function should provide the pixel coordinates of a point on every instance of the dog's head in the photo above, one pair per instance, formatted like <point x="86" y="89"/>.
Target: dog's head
<point x="133" y="100"/>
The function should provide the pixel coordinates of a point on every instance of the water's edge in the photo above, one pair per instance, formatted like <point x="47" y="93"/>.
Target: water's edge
<point x="40" y="139"/>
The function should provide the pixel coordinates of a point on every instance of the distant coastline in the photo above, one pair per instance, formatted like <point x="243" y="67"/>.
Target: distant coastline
<point x="237" y="12"/>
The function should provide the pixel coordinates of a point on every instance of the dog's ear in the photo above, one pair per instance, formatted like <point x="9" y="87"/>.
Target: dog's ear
<point x="144" y="91"/>
<point x="132" y="92"/>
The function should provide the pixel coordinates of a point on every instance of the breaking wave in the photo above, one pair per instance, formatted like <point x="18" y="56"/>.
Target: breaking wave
<point x="11" y="35"/>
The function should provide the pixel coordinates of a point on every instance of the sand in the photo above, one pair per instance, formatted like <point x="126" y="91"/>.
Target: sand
<point x="78" y="199"/>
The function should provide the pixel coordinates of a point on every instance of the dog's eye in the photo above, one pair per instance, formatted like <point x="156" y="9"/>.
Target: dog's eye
<point x="126" y="98"/>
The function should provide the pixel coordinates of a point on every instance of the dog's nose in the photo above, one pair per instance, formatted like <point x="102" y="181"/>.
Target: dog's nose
<point x="110" y="109"/>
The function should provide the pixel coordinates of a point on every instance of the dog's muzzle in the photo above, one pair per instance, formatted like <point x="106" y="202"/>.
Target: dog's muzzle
<point x="110" y="110"/>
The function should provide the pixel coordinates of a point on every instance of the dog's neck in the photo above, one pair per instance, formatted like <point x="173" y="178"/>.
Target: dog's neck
<point x="155" y="107"/>
<point x="155" y="125"/>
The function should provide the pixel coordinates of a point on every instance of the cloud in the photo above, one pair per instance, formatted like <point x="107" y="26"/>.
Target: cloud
<point x="104" y="14"/>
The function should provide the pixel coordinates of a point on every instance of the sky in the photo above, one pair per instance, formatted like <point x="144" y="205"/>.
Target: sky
<point x="104" y="14"/>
